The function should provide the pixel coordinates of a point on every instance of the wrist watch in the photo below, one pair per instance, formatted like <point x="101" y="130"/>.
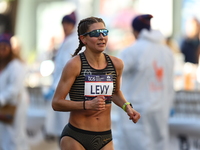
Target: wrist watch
<point x="124" y="106"/>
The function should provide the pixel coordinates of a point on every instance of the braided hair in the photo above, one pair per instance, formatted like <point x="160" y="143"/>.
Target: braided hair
<point x="83" y="27"/>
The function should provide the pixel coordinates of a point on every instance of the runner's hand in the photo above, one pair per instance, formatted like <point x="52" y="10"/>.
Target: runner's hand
<point x="133" y="114"/>
<point x="98" y="103"/>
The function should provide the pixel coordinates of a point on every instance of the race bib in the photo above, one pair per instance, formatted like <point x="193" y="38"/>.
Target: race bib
<point x="98" y="85"/>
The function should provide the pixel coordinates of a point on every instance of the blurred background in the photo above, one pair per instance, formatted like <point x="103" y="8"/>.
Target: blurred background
<point x="36" y="26"/>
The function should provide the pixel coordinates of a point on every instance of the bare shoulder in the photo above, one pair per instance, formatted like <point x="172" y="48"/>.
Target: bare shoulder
<point x="73" y="65"/>
<point x="118" y="63"/>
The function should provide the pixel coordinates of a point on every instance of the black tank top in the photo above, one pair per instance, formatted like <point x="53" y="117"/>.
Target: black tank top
<point x="77" y="90"/>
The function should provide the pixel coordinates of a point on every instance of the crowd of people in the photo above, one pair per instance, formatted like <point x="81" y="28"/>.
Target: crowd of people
<point x="87" y="82"/>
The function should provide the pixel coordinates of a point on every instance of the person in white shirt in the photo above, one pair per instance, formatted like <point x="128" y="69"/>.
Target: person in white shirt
<point x="147" y="82"/>
<point x="13" y="91"/>
<point x="55" y="121"/>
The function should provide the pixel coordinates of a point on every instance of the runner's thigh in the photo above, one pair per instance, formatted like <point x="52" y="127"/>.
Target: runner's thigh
<point x="108" y="146"/>
<point x="68" y="143"/>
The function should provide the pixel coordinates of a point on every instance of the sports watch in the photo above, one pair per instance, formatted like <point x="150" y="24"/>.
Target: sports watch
<point x="124" y="106"/>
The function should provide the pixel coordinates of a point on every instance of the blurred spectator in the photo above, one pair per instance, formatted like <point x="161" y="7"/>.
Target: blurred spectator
<point x="178" y="63"/>
<point x="12" y="91"/>
<point x="55" y="121"/>
<point x="173" y="45"/>
<point x="190" y="45"/>
<point x="147" y="82"/>
<point x="52" y="51"/>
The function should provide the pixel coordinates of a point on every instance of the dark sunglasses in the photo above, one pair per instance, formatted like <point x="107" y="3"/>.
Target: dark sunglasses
<point x="96" y="33"/>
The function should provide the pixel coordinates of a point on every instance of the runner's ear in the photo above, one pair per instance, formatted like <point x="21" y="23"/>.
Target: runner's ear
<point x="83" y="39"/>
